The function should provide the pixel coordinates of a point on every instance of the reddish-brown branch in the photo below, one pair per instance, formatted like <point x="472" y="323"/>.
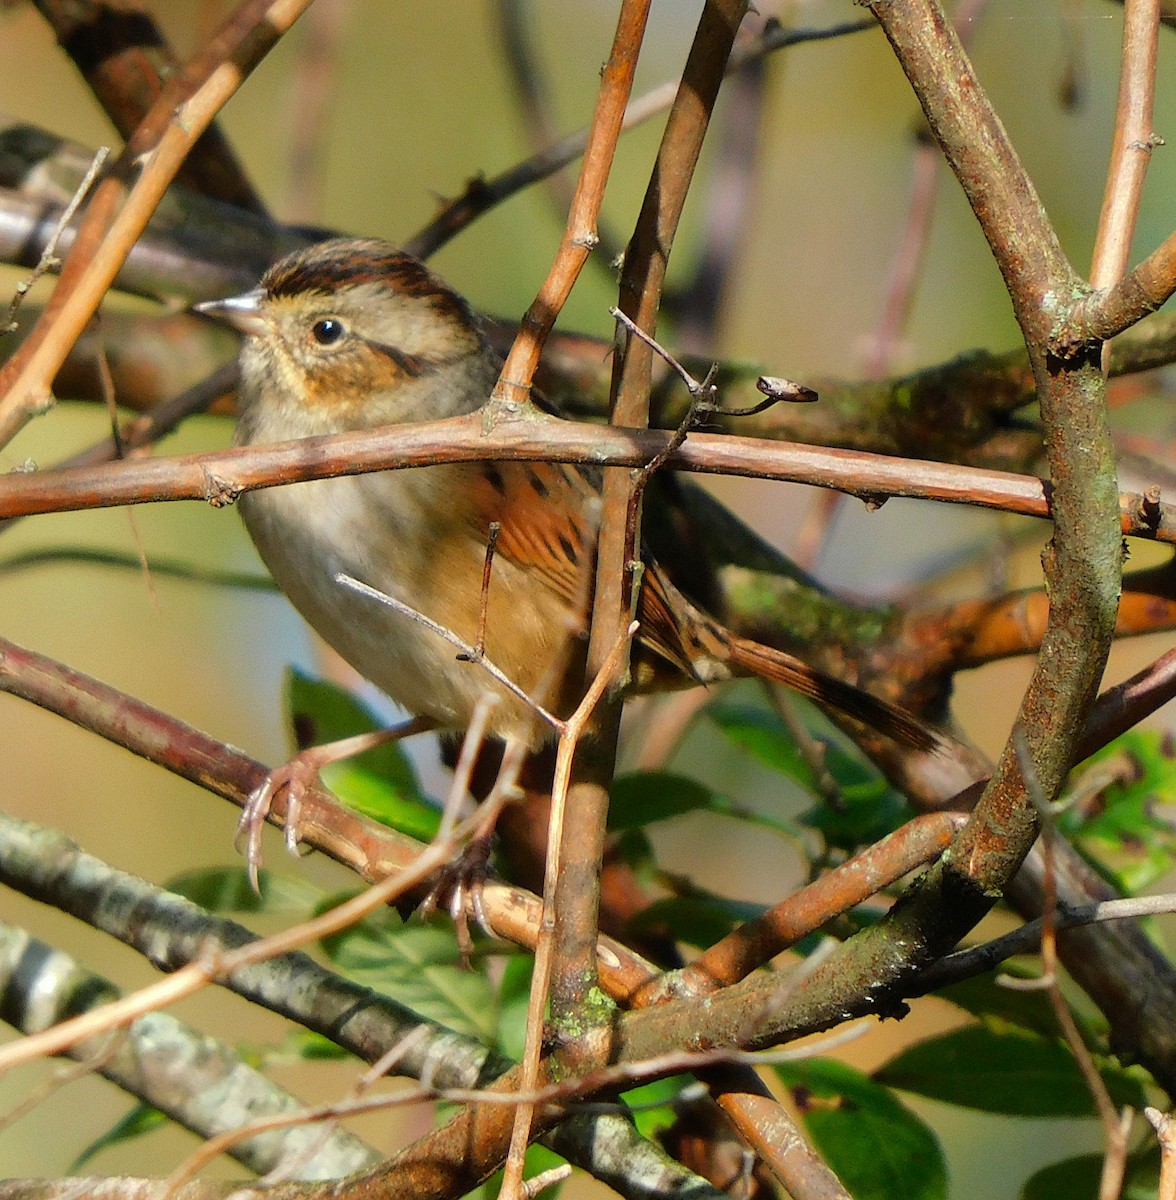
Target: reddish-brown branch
<point x="1082" y="567"/>
<point x="756" y="942"/>
<point x="514" y="383"/>
<point x="973" y="632"/>
<point x="372" y="851"/>
<point x="576" y="895"/>
<point x="566" y="964"/>
<point x="218" y="478"/>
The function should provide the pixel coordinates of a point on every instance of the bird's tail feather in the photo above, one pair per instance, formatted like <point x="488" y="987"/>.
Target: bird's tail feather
<point x="769" y="663"/>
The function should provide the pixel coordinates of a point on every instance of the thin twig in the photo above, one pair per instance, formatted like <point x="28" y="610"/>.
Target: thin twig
<point x="484" y="600"/>
<point x="1115" y="1127"/>
<point x="515" y="27"/>
<point x="485" y="193"/>
<point x="198" y="975"/>
<point x="545" y="945"/>
<point x="514" y="383"/>
<point x="49" y="260"/>
<point x="1134" y="139"/>
<point x="1165" y="1129"/>
<point x="469" y="653"/>
<point x="126" y="61"/>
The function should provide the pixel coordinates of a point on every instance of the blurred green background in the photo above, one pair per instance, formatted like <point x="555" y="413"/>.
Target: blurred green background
<point x="420" y="104"/>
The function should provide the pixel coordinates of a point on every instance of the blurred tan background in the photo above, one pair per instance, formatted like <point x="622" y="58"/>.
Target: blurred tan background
<point x="421" y="105"/>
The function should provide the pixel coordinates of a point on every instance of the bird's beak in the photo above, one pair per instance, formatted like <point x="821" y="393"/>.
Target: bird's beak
<point x="242" y="312"/>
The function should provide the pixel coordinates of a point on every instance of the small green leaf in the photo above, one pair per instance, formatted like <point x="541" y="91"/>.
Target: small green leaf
<point x="762" y="733"/>
<point x="380" y="783"/>
<point x="878" y="1148"/>
<point x="420" y="967"/>
<point x="635" y="848"/>
<point x="304" y="1045"/>
<point x="653" y="1104"/>
<point x="226" y="889"/>
<point x="1013" y="1073"/>
<point x="1078" y="1178"/>
<point x="142" y="1119"/>
<point x="1070" y="1179"/>
<point x="371" y="796"/>
<point x="324" y="712"/>
<point x="641" y="799"/>
<point x="866" y="807"/>
<point x="1132" y="832"/>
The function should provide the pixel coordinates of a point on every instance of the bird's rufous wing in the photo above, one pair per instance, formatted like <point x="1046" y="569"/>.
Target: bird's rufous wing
<point x="547" y="516"/>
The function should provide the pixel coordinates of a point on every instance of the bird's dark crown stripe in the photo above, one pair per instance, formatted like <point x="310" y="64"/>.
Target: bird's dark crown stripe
<point x="344" y="263"/>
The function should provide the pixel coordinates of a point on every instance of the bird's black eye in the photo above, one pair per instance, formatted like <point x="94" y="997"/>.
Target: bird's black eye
<point x="328" y="331"/>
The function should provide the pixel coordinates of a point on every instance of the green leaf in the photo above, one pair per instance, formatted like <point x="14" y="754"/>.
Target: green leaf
<point x="635" y="848"/>
<point x="762" y="733"/>
<point x="380" y="783"/>
<point x="142" y="1119"/>
<point x="226" y="889"/>
<point x="304" y="1045"/>
<point x="653" y="1105"/>
<point x="866" y="808"/>
<point x="1070" y="1179"/>
<point x="1015" y="1074"/>
<point x="1078" y="1178"/>
<point x="641" y="799"/>
<point x="1130" y="834"/>
<point x="878" y="1148"/>
<point x="420" y="967"/>
<point x="1002" y="1008"/>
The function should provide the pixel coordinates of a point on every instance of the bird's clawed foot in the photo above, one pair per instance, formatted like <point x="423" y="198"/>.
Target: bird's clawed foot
<point x="298" y="776"/>
<point x="458" y="891"/>
<point x="293" y="778"/>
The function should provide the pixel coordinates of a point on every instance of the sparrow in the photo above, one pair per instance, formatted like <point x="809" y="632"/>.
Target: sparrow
<point x="354" y="334"/>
